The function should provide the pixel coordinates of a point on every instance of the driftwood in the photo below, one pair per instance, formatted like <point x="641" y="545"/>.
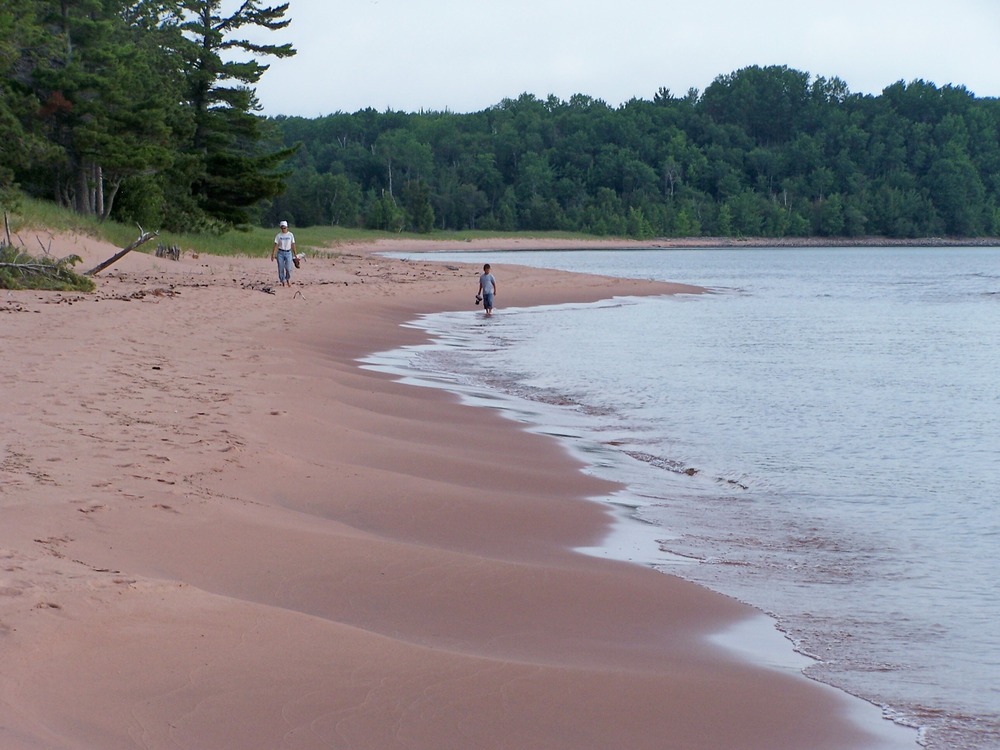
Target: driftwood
<point x="18" y="269"/>
<point x="163" y="251"/>
<point x="143" y="238"/>
<point x="40" y="267"/>
<point x="56" y="272"/>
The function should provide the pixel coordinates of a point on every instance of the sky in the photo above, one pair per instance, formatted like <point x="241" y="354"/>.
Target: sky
<point x="468" y="55"/>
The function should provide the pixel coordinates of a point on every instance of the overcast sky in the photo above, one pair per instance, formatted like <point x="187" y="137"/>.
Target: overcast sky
<point x="467" y="55"/>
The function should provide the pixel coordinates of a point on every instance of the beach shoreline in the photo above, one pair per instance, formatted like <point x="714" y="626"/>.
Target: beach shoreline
<point x="430" y="246"/>
<point x="221" y="531"/>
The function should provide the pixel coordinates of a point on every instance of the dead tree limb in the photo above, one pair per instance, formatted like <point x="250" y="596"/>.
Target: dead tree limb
<point x="45" y="275"/>
<point x="30" y="266"/>
<point x="143" y="237"/>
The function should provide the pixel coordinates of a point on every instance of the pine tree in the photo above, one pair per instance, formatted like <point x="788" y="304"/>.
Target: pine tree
<point x="237" y="169"/>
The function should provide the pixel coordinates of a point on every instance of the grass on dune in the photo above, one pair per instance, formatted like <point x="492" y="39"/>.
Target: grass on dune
<point x="34" y="217"/>
<point x="257" y="242"/>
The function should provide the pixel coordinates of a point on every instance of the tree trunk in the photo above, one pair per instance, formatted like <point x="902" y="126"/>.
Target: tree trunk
<point x="98" y="191"/>
<point x="82" y="191"/>
<point x="110" y="198"/>
<point x="143" y="237"/>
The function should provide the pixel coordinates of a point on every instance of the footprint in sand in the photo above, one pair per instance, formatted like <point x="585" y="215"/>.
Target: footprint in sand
<point x="163" y="506"/>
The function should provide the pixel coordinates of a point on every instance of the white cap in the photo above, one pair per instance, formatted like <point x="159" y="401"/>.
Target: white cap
<point x="283" y="224"/>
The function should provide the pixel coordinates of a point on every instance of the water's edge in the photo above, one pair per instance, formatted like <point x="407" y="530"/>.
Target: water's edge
<point x="761" y="640"/>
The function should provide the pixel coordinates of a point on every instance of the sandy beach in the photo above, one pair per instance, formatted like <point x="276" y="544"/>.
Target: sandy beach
<point x="218" y="531"/>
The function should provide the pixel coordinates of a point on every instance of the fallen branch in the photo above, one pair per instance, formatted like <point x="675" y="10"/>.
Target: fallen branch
<point x="31" y="273"/>
<point x="42" y="267"/>
<point x="143" y="238"/>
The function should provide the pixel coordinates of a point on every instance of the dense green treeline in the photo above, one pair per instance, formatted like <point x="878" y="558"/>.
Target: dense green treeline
<point x="145" y="111"/>
<point x="761" y="152"/>
<point x="140" y="110"/>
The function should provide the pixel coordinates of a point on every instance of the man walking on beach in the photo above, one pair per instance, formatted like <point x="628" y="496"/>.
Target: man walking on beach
<point x="487" y="288"/>
<point x="284" y="246"/>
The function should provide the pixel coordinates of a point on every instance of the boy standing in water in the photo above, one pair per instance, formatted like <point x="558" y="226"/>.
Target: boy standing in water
<point x="487" y="288"/>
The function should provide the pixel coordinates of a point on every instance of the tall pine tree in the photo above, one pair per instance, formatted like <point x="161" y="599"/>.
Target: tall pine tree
<point x="237" y="169"/>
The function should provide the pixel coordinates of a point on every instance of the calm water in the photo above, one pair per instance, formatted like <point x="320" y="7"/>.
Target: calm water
<point x="818" y="437"/>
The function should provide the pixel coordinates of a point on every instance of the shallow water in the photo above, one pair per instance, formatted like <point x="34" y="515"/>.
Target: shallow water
<point x="817" y="437"/>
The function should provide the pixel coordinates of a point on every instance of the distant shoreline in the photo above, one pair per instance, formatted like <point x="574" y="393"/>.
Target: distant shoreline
<point x="501" y="243"/>
<point x="708" y="242"/>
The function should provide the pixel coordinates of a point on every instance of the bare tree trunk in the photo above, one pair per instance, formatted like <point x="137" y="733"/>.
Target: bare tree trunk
<point x="63" y="196"/>
<point x="143" y="237"/>
<point x="98" y="191"/>
<point x="110" y="197"/>
<point x="82" y="191"/>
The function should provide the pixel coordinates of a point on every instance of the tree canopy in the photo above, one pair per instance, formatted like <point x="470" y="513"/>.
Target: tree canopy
<point x="763" y="151"/>
<point x="139" y="108"/>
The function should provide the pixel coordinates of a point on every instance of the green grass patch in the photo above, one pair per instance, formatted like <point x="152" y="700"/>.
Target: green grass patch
<point x="33" y="217"/>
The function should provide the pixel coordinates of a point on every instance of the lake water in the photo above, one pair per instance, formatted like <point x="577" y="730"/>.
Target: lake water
<point x="817" y="437"/>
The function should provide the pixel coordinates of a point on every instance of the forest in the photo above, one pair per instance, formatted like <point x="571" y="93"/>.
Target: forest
<point x="761" y="152"/>
<point x="136" y="111"/>
<point x="140" y="110"/>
